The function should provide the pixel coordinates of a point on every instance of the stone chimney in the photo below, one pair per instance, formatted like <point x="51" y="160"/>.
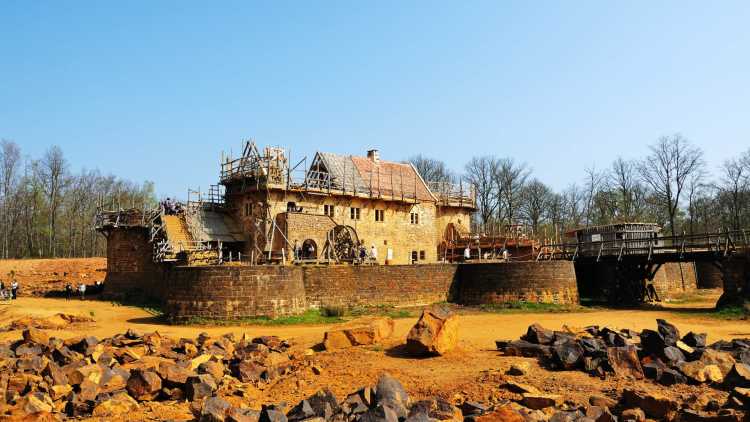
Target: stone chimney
<point x="374" y="155"/>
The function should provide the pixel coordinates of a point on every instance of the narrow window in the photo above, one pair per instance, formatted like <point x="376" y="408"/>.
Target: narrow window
<point x="328" y="210"/>
<point x="421" y="255"/>
<point x="414" y="256"/>
<point x="414" y="218"/>
<point x="354" y="213"/>
<point x="379" y="215"/>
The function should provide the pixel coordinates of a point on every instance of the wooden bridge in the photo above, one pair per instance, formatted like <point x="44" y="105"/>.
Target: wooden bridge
<point x="693" y="247"/>
<point x="636" y="261"/>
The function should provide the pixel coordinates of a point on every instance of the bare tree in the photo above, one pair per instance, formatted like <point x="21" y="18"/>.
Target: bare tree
<point x="734" y="185"/>
<point x="667" y="170"/>
<point x="53" y="172"/>
<point x="480" y="172"/>
<point x="624" y="178"/>
<point x="535" y="204"/>
<point x="432" y="170"/>
<point x="695" y="186"/>
<point x="573" y="198"/>
<point x="510" y="179"/>
<point x="594" y="180"/>
<point x="10" y="158"/>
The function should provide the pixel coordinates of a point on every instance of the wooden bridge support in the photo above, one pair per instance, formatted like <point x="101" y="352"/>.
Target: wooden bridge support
<point x="632" y="284"/>
<point x="735" y="274"/>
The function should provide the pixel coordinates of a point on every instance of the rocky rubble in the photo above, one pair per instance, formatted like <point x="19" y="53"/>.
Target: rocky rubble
<point x="661" y="355"/>
<point x="87" y="376"/>
<point x="388" y="401"/>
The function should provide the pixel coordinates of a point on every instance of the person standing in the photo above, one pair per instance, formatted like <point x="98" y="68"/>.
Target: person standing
<point x="467" y="253"/>
<point x="373" y="253"/>
<point x="311" y="251"/>
<point x="14" y="289"/>
<point x="297" y="250"/>
<point x="82" y="290"/>
<point x="68" y="291"/>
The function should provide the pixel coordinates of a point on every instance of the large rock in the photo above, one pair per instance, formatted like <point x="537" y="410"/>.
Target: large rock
<point x="739" y="376"/>
<point x="391" y="394"/>
<point x="540" y="401"/>
<point x="695" y="339"/>
<point x="654" y="405"/>
<point x="669" y="332"/>
<point x="568" y="354"/>
<point x="33" y="335"/>
<point x="436" y="332"/>
<point x="322" y="404"/>
<point x="502" y="414"/>
<point x="539" y="335"/>
<point x="624" y="361"/>
<point x="361" y="331"/>
<point x="143" y="384"/>
<point x="723" y="360"/>
<point x="119" y="404"/>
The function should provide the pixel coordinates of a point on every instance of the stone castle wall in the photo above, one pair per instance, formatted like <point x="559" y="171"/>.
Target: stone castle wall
<point x="130" y="268"/>
<point x="675" y="278"/>
<point x="399" y="285"/>
<point x="527" y="281"/>
<point x="225" y="292"/>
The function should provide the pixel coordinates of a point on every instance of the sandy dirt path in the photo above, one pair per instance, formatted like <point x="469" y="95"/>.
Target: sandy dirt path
<point x="478" y="330"/>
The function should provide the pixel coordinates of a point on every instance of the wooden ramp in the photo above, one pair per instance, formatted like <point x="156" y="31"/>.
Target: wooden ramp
<point x="176" y="232"/>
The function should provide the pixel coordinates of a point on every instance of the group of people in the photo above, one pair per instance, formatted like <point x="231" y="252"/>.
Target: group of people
<point x="171" y="207"/>
<point x="11" y="290"/>
<point x="303" y="251"/>
<point x="361" y="254"/>
<point x="467" y="254"/>
<point x="80" y="288"/>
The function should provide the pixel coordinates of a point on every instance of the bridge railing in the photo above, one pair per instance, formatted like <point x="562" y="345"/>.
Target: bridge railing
<point x="724" y="243"/>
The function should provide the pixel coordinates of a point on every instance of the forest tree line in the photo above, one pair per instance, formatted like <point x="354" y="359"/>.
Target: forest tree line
<point x="47" y="210"/>
<point x="672" y="186"/>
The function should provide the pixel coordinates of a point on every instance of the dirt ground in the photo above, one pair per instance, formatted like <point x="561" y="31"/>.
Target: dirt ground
<point x="38" y="276"/>
<point x="475" y="371"/>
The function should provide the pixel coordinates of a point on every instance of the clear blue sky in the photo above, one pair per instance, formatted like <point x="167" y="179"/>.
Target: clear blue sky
<point x="157" y="89"/>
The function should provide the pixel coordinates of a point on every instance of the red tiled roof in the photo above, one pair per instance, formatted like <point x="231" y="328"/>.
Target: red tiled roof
<point x="389" y="178"/>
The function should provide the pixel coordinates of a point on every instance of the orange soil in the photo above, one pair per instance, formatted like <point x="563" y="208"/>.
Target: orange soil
<point x="38" y="276"/>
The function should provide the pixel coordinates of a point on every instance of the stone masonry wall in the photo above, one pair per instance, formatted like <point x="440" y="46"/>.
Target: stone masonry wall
<point x="529" y="281"/>
<point x="674" y="278"/>
<point x="233" y="292"/>
<point x="223" y="292"/>
<point x="401" y="285"/>
<point x="130" y="268"/>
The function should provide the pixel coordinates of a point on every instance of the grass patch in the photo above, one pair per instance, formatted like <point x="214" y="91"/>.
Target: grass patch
<point x="312" y="316"/>
<point x="381" y="310"/>
<point x="530" y="307"/>
<point x="728" y="313"/>
<point x="693" y="297"/>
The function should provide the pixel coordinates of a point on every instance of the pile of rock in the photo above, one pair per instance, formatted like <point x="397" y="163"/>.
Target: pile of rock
<point x="84" y="376"/>
<point x="661" y="355"/>
<point x="388" y="401"/>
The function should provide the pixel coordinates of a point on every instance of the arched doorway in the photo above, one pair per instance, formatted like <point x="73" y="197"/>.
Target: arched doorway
<point x="309" y="249"/>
